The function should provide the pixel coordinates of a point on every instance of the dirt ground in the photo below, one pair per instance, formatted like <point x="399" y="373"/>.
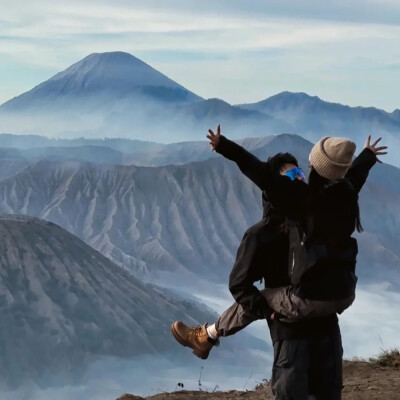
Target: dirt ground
<point x="362" y="381"/>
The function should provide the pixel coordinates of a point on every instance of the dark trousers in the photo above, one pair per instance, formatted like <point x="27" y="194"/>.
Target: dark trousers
<point x="304" y="368"/>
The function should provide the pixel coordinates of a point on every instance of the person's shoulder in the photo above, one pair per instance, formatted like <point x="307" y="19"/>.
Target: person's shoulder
<point x="339" y="187"/>
<point x="259" y="230"/>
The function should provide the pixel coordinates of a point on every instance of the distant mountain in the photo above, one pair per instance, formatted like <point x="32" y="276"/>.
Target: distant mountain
<point x="313" y="118"/>
<point x="303" y="111"/>
<point x="63" y="305"/>
<point x="108" y="76"/>
<point x="24" y="142"/>
<point x="117" y="95"/>
<point x="396" y="115"/>
<point x="180" y="224"/>
<point x="95" y="154"/>
<point x="106" y="151"/>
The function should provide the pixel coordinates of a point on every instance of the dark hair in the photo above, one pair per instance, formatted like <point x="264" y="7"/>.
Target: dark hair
<point x="276" y="162"/>
<point x="317" y="182"/>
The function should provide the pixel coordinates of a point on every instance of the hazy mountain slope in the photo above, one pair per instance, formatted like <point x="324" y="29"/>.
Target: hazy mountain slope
<point x="303" y="111"/>
<point x="95" y="154"/>
<point x="24" y="142"/>
<point x="10" y="167"/>
<point x="121" y="151"/>
<point x="108" y="75"/>
<point x="63" y="304"/>
<point x="187" y="152"/>
<point x="313" y="118"/>
<point x="184" y="220"/>
<point x="145" y="218"/>
<point x="117" y="95"/>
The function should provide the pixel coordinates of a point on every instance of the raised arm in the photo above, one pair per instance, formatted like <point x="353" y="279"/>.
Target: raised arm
<point x="359" y="170"/>
<point x="249" y="164"/>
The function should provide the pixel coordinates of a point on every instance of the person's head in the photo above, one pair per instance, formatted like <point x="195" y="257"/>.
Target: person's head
<point x="282" y="163"/>
<point x="331" y="157"/>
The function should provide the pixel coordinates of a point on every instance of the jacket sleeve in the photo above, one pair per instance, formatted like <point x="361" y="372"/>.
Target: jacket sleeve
<point x="245" y="272"/>
<point x="249" y="164"/>
<point x="359" y="170"/>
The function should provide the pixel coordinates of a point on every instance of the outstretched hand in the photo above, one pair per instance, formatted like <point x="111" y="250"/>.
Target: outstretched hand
<point x="378" y="151"/>
<point x="214" y="137"/>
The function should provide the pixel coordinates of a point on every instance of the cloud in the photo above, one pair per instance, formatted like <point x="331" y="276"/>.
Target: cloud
<point x="372" y="323"/>
<point x="216" y="49"/>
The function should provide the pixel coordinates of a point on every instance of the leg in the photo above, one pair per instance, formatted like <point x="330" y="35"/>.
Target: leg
<point x="290" y="370"/>
<point x="201" y="338"/>
<point x="234" y="319"/>
<point x="326" y="367"/>
<point x="249" y="268"/>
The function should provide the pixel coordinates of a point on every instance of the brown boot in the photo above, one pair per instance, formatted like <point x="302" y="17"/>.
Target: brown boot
<point x="196" y="338"/>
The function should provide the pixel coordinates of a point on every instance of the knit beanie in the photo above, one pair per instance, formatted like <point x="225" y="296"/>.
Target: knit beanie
<point x="331" y="157"/>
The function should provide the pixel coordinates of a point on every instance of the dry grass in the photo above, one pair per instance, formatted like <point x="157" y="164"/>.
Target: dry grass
<point x="387" y="358"/>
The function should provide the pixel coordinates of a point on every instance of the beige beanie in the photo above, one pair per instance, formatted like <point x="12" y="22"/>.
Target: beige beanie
<point x="331" y="157"/>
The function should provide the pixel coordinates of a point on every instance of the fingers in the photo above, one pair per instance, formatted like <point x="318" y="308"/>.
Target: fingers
<point x="376" y="141"/>
<point x="211" y="137"/>
<point x="380" y="153"/>
<point x="381" y="148"/>
<point x="368" y="143"/>
<point x="214" y="137"/>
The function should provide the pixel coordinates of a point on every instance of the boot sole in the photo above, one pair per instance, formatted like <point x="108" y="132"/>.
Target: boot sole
<point x="201" y="354"/>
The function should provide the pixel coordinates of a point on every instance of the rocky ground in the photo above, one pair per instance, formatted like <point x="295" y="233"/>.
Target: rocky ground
<point x="362" y="380"/>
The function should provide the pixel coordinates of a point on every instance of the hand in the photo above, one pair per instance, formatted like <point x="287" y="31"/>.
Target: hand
<point x="376" y="150"/>
<point x="214" y="137"/>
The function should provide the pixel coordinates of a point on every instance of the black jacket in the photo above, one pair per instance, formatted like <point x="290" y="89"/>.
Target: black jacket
<point x="328" y="212"/>
<point x="263" y="252"/>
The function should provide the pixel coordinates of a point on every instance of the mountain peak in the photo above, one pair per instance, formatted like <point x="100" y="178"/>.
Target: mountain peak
<point x="66" y="310"/>
<point x="114" y="75"/>
<point x="292" y="97"/>
<point x="114" y="71"/>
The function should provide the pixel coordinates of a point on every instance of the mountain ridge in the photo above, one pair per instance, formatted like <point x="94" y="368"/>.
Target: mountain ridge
<point x="157" y="221"/>
<point x="123" y="96"/>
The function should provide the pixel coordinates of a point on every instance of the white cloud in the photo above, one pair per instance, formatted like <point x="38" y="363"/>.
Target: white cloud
<point x="314" y="38"/>
<point x="372" y="323"/>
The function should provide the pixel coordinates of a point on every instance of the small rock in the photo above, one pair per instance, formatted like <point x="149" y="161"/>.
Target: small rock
<point x="127" y="396"/>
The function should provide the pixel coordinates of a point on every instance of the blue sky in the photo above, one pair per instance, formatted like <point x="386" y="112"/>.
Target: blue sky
<point x="240" y="51"/>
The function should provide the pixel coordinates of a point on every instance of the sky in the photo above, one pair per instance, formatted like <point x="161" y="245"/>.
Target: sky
<point x="239" y="50"/>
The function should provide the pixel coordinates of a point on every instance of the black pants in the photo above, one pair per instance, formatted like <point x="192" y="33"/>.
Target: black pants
<point x="304" y="368"/>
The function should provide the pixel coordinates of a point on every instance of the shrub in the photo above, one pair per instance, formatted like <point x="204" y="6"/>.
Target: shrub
<point x="387" y="358"/>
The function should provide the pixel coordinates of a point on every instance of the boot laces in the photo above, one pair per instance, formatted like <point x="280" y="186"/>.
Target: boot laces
<point x="196" y="331"/>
